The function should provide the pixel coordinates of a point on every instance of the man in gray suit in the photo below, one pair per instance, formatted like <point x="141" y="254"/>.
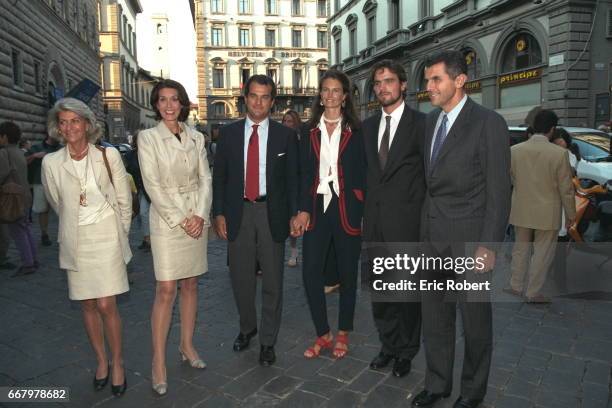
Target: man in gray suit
<point x="467" y="171"/>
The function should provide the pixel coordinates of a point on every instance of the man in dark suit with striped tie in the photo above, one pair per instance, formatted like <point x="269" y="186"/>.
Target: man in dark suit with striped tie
<point x="395" y="191"/>
<point x="465" y="214"/>
<point x="254" y="197"/>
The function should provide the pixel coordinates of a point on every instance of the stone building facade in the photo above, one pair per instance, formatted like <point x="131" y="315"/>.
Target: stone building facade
<point x="521" y="53"/>
<point x="123" y="91"/>
<point x="285" y="39"/>
<point x="47" y="47"/>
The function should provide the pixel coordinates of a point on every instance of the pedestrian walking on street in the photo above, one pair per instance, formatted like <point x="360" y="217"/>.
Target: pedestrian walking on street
<point x="332" y="192"/>
<point x="291" y="119"/>
<point x="176" y="176"/>
<point x="40" y="206"/>
<point x="144" y="202"/>
<point x="87" y="187"/>
<point x="543" y="192"/>
<point x="255" y="192"/>
<point x="12" y="159"/>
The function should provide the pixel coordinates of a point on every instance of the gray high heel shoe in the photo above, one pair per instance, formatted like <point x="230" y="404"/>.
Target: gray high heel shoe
<point x="159" y="388"/>
<point x="196" y="363"/>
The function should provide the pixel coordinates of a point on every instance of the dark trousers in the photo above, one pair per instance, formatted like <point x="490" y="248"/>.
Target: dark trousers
<point x="254" y="243"/>
<point x="398" y="324"/>
<point x="439" y="317"/>
<point x="328" y="230"/>
<point x="399" y="327"/>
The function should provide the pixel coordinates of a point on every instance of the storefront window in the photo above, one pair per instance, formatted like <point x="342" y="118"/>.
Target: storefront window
<point x="521" y="95"/>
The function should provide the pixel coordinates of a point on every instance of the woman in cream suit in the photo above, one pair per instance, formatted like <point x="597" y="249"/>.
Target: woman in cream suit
<point x="176" y="176"/>
<point x="88" y="189"/>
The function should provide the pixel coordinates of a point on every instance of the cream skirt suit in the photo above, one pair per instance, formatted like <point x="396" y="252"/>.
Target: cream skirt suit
<point x="93" y="240"/>
<point x="177" y="178"/>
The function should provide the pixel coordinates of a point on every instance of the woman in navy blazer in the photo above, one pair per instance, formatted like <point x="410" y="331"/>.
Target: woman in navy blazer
<point x="331" y="200"/>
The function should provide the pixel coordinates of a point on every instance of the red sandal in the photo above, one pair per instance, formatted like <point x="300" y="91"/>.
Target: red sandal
<point x="340" y="352"/>
<point x="323" y="343"/>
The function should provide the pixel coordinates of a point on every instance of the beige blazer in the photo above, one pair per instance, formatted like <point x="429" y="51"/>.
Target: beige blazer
<point x="177" y="179"/>
<point x="62" y="188"/>
<point x="178" y="188"/>
<point x="542" y="180"/>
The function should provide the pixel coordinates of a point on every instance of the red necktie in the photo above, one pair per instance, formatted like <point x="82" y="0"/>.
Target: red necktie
<point x="251" y="191"/>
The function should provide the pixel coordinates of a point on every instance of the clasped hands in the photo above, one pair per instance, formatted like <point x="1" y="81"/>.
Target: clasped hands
<point x="193" y="226"/>
<point x="299" y="223"/>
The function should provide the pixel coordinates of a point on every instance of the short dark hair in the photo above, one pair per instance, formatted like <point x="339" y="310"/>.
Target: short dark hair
<point x="11" y="131"/>
<point x="261" y="80"/>
<point x="544" y="121"/>
<point x="391" y="65"/>
<point x="561" y="133"/>
<point x="454" y="62"/>
<point x="182" y="96"/>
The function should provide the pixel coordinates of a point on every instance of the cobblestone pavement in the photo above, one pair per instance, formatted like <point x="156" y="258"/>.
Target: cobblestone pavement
<point x="556" y="355"/>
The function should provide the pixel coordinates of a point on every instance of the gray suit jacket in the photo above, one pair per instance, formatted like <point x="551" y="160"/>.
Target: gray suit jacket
<point x="468" y="188"/>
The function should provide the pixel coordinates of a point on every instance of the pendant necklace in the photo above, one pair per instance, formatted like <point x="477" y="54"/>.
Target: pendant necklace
<point x="83" y="183"/>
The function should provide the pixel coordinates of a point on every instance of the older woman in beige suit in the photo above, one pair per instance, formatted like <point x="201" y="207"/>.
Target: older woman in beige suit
<point x="87" y="187"/>
<point x="176" y="175"/>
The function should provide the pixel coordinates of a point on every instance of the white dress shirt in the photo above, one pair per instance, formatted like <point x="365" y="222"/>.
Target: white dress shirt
<point x="451" y="118"/>
<point x="396" y="115"/>
<point x="328" y="163"/>
<point x="262" y="132"/>
<point x="97" y="208"/>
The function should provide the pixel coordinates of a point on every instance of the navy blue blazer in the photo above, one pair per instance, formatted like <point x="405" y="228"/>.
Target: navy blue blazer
<point x="351" y="177"/>
<point x="281" y="178"/>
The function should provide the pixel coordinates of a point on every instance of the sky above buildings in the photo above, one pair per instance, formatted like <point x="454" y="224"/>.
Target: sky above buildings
<point x="179" y="58"/>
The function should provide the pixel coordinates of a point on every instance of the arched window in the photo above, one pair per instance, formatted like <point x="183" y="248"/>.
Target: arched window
<point x="373" y="103"/>
<point x="474" y="66"/>
<point x="520" y="84"/>
<point x="521" y="52"/>
<point x="474" y="72"/>
<point x="422" y="96"/>
<point x="357" y="100"/>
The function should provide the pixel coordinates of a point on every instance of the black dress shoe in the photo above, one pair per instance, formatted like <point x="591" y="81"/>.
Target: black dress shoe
<point x="426" y="398"/>
<point x="401" y="367"/>
<point x="267" y="356"/>
<point x="466" y="403"/>
<point x="381" y="361"/>
<point x="119" y="390"/>
<point x="101" y="383"/>
<point x="45" y="241"/>
<point x="243" y="340"/>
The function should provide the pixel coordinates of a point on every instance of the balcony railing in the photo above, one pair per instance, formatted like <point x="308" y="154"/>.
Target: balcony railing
<point x="285" y="90"/>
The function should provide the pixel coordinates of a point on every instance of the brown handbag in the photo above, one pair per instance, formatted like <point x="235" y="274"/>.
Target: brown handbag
<point x="13" y="197"/>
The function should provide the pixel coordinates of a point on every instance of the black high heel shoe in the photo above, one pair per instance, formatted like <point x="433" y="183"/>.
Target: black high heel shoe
<point x="119" y="390"/>
<point x="101" y="383"/>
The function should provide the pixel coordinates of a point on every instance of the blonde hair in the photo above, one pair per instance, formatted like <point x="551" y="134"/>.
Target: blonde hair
<point x="94" y="131"/>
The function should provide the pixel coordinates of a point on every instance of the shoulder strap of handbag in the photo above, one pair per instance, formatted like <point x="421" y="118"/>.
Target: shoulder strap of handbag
<point x="108" y="170"/>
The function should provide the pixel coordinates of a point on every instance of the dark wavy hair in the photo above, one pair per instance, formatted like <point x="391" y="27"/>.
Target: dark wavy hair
<point x="394" y="67"/>
<point x="182" y="96"/>
<point x="349" y="114"/>
<point x="11" y="131"/>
